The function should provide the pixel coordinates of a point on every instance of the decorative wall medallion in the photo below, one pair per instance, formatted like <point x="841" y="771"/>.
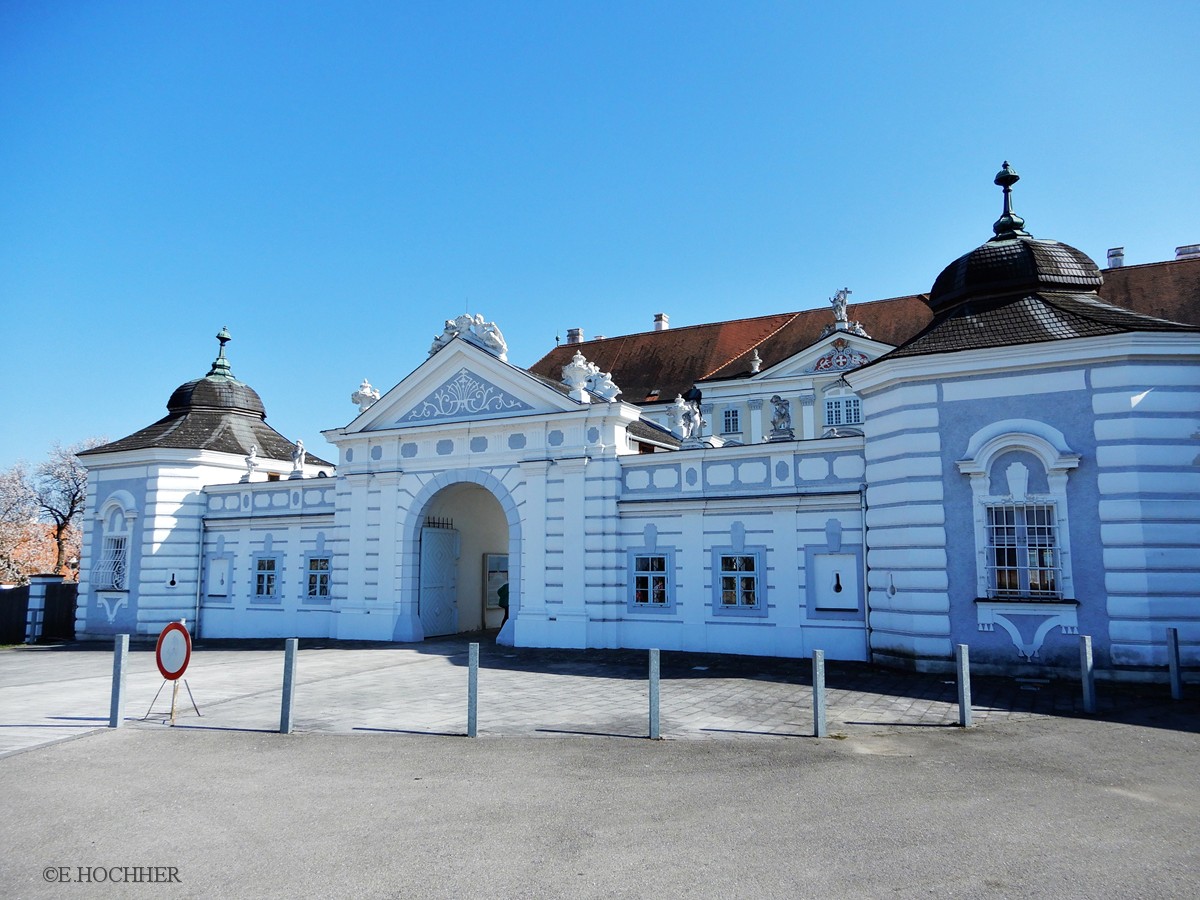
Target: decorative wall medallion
<point x="516" y="442"/>
<point x="478" y="444"/>
<point x="466" y="394"/>
<point x="593" y="435"/>
<point x="445" y="448"/>
<point x="349" y="454"/>
<point x="376" y="452"/>
<point x="781" y="471"/>
<point x="841" y="357"/>
<point x="690" y="477"/>
<point x="555" y="438"/>
<point x="408" y="451"/>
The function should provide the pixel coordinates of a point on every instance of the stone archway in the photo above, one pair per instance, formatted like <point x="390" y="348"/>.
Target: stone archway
<point x="481" y="511"/>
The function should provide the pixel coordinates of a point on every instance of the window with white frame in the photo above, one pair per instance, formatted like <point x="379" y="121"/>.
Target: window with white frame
<point x="317" y="578"/>
<point x="1022" y="551"/>
<point x="111" y="573"/>
<point x="1018" y="470"/>
<point x="739" y="575"/>
<point x="843" y="408"/>
<point x="650" y="581"/>
<point x="266" y="577"/>
<point x="731" y="422"/>
<point x="651" y="584"/>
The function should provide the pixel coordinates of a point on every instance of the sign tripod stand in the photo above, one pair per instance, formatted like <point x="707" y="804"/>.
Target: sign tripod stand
<point x="173" y="653"/>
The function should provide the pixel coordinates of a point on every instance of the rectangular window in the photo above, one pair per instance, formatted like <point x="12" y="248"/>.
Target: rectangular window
<point x="111" y="573"/>
<point x="739" y="582"/>
<point x="650" y="581"/>
<point x="1022" y="551"/>
<point x="843" y="411"/>
<point x="265" y="576"/>
<point x="317" y="586"/>
<point x="732" y="422"/>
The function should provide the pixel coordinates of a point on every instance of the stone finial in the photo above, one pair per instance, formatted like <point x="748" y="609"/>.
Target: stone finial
<point x="575" y="375"/>
<point x="364" y="396"/>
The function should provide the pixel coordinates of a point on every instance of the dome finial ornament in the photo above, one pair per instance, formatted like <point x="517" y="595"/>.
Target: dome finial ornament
<point x="220" y="365"/>
<point x="1009" y="225"/>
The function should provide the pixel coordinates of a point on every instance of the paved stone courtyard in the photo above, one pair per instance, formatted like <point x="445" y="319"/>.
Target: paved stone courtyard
<point x="52" y="692"/>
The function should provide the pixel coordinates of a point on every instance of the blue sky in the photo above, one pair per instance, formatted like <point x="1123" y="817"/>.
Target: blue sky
<point x="332" y="181"/>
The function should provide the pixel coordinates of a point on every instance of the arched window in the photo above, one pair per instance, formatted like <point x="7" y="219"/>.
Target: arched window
<point x="116" y="524"/>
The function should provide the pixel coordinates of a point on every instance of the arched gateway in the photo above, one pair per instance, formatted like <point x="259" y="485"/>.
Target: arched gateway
<point x="461" y="533"/>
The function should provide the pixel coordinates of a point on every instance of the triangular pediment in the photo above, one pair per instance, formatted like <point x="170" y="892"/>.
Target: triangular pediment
<point x="461" y="382"/>
<point x="832" y="355"/>
<point x="464" y="395"/>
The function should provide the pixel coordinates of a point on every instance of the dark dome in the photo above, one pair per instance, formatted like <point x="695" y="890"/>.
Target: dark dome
<point x="217" y="392"/>
<point x="1011" y="265"/>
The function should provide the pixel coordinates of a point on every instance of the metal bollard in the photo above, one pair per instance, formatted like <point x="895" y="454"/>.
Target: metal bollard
<point x="655" y="732"/>
<point x="962" y="659"/>
<point x="820" y="728"/>
<point x="473" y="692"/>
<point x="1173" y="664"/>
<point x="289" y="685"/>
<point x="116" y="709"/>
<point x="1088" y="672"/>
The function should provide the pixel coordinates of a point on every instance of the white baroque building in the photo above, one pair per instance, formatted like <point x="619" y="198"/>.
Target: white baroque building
<point x="1006" y="462"/>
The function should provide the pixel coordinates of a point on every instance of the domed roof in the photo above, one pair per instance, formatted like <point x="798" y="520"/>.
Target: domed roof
<point x="1014" y="262"/>
<point x="1013" y="265"/>
<point x="217" y="390"/>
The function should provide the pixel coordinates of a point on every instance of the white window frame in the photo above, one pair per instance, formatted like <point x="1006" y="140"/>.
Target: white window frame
<point x="726" y="570"/>
<point x="1050" y="447"/>
<point x="731" y="421"/>
<point x="274" y="576"/>
<point x="842" y="407"/>
<point x="1024" y="548"/>
<point x="116" y="518"/>
<point x="324" y="578"/>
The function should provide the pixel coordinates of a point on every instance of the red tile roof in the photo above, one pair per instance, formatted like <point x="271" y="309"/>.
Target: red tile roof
<point x="672" y="361"/>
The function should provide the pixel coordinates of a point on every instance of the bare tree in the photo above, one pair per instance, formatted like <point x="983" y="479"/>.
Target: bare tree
<point x="59" y="485"/>
<point x="18" y="525"/>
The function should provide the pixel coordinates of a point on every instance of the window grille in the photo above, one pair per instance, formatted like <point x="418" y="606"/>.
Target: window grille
<point x="1022" y="551"/>
<point x="318" y="576"/>
<point x="650" y="580"/>
<point x="732" y="421"/>
<point x="739" y="581"/>
<point x="111" y="573"/>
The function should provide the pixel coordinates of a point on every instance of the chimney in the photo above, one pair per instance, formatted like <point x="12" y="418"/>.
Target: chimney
<point x="1116" y="257"/>
<point x="1188" y="251"/>
<point x="574" y="335"/>
<point x="662" y="322"/>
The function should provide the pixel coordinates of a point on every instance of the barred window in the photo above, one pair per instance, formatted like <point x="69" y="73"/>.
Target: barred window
<point x="111" y="573"/>
<point x="1022" y="551"/>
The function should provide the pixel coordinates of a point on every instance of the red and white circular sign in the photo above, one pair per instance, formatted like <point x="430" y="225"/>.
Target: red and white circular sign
<point x="174" y="651"/>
